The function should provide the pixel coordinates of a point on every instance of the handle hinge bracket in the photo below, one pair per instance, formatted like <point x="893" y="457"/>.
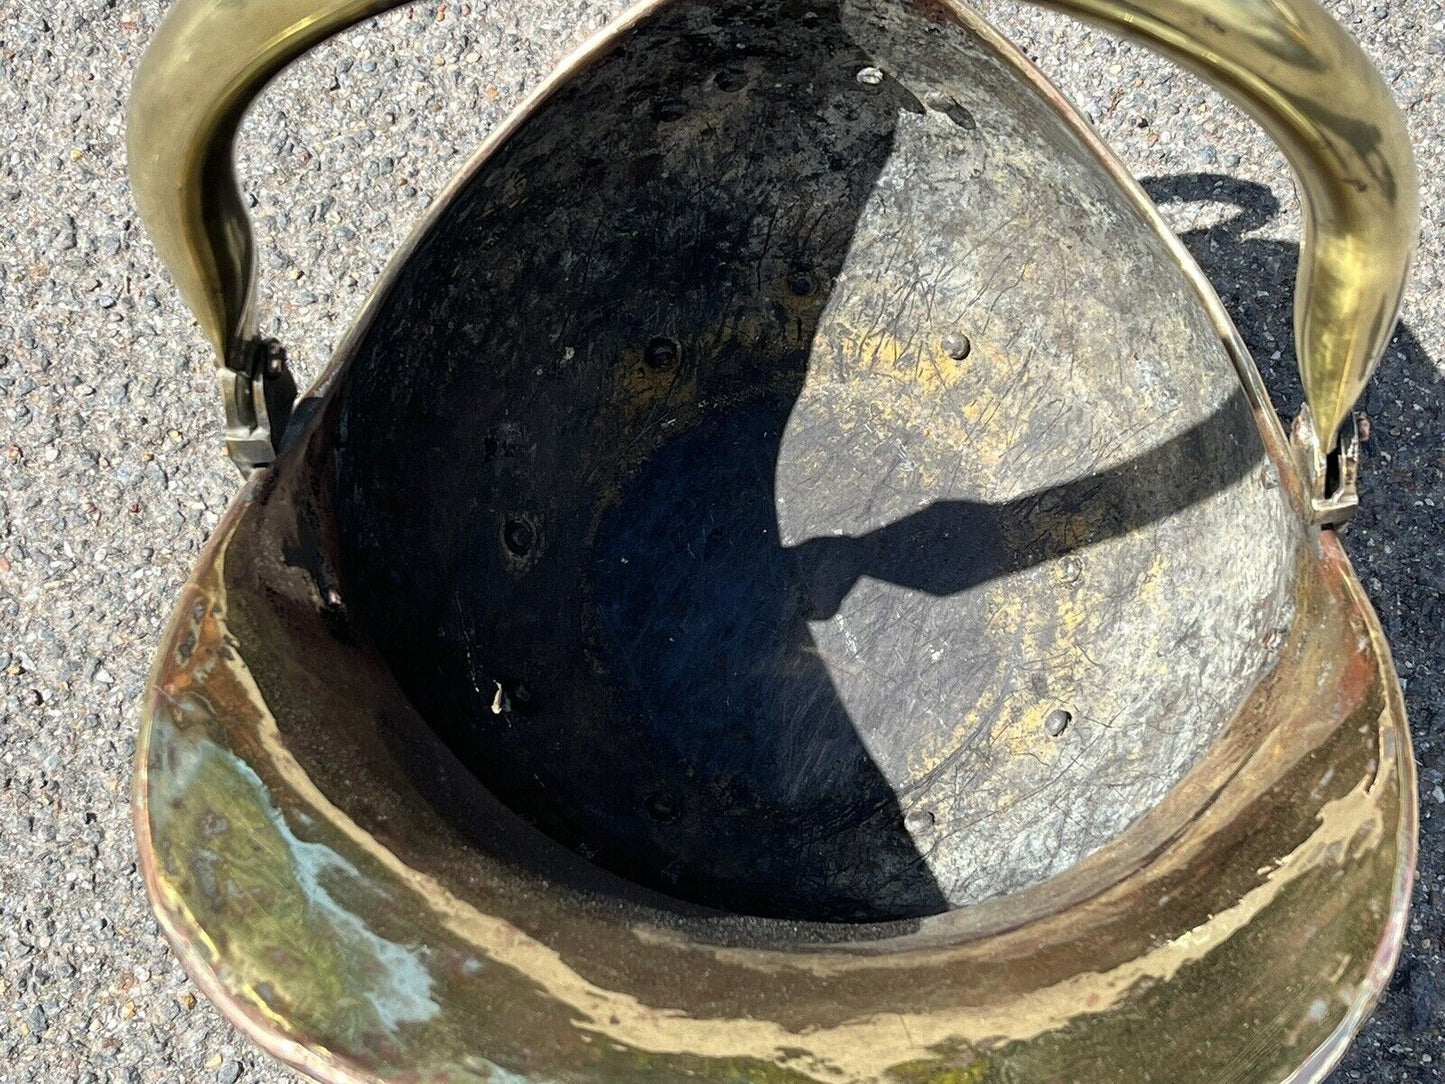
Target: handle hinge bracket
<point x="259" y="392"/>
<point x="1331" y="478"/>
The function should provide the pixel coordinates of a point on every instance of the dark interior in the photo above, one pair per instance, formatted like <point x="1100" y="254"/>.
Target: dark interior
<point x="565" y="444"/>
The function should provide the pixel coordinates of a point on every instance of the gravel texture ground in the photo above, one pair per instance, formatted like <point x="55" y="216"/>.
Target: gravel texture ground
<point x="111" y="474"/>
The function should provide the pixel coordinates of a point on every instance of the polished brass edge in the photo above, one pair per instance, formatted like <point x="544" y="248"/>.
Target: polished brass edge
<point x="1327" y="1056"/>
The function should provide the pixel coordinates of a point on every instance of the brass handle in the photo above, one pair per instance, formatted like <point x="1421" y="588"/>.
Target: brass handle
<point x="206" y="64"/>
<point x="1286" y="62"/>
<point x="1296" y="71"/>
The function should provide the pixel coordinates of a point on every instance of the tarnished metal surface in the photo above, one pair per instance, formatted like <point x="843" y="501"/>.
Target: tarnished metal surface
<point x="811" y="583"/>
<point x="877" y="638"/>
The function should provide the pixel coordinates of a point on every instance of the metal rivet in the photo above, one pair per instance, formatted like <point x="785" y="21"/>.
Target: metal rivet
<point x="1071" y="568"/>
<point x="870" y="77"/>
<point x="919" y="820"/>
<point x="661" y="806"/>
<point x="957" y="345"/>
<point x="518" y="536"/>
<point x="800" y="283"/>
<point x="950" y="107"/>
<point x="662" y="353"/>
<point x="1056" y="722"/>
<point x="731" y="79"/>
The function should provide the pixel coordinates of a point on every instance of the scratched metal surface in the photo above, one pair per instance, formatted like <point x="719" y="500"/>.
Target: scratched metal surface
<point x="802" y="599"/>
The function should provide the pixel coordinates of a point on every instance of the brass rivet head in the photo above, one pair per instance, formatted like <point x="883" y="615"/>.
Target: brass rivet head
<point x="957" y="345"/>
<point x="518" y="536"/>
<point x="730" y="79"/>
<point x="919" y="820"/>
<point x="662" y="806"/>
<point x="662" y="353"/>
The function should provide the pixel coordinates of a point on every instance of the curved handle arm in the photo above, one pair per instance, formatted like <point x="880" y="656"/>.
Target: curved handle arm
<point x="1296" y="71"/>
<point x="206" y="64"/>
<point x="1285" y="62"/>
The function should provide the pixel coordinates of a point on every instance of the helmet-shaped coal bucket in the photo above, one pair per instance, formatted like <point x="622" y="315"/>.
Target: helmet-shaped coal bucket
<point x="792" y="577"/>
